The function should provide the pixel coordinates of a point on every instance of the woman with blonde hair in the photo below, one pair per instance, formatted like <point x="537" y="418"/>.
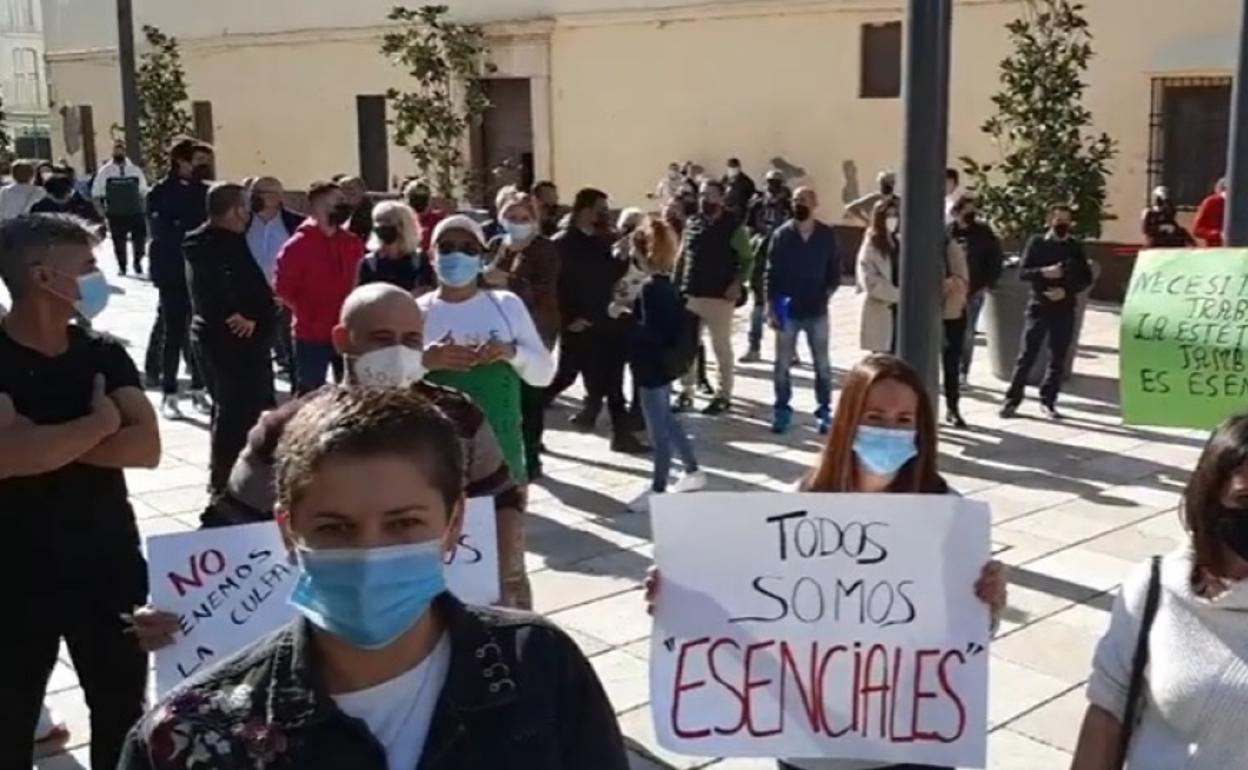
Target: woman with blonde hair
<point x="394" y="254"/>
<point x="660" y="324"/>
<point x="877" y="278"/>
<point x="526" y="263"/>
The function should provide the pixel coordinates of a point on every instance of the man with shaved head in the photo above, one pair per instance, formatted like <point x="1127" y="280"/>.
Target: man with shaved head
<point x="802" y="272"/>
<point x="380" y="334"/>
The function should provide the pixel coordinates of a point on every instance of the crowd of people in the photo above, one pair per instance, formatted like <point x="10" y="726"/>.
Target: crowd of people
<point x="449" y="339"/>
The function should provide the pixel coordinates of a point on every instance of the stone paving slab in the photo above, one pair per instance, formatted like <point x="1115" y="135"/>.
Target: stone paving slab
<point x="1076" y="505"/>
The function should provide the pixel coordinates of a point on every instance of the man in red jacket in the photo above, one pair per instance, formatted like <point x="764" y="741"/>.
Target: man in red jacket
<point x="315" y="272"/>
<point x="1209" y="217"/>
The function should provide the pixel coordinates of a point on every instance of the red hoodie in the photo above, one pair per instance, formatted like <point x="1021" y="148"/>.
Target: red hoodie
<point x="1209" y="218"/>
<point x="315" y="273"/>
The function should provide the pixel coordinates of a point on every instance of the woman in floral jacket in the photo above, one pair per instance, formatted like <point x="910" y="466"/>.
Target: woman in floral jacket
<point x="384" y="669"/>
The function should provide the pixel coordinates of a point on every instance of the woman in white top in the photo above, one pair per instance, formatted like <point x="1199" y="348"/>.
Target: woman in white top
<point x="877" y="278"/>
<point x="1193" y="705"/>
<point x="484" y="339"/>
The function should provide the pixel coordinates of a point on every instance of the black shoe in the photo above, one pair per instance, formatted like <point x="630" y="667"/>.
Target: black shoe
<point x="1009" y="410"/>
<point x="151" y="381"/>
<point x="627" y="443"/>
<point x="635" y="421"/>
<point x="1050" y="411"/>
<point x="138" y="268"/>
<point x="705" y="388"/>
<point x="684" y="403"/>
<point x="717" y="406"/>
<point x="585" y="421"/>
<point x="954" y="418"/>
<point x="535" y="469"/>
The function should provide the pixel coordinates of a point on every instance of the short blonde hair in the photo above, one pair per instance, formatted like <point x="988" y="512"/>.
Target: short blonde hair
<point x="399" y="215"/>
<point x="630" y="217"/>
<point x="661" y="245"/>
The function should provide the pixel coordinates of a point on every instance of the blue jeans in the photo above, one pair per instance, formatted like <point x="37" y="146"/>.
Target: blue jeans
<point x="786" y="347"/>
<point x="312" y="359"/>
<point x="758" y="319"/>
<point x="667" y="433"/>
<point x="974" y="306"/>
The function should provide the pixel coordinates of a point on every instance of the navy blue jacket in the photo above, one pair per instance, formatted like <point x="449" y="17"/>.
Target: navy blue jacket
<point x="175" y="207"/>
<point x="658" y="314"/>
<point x="806" y="271"/>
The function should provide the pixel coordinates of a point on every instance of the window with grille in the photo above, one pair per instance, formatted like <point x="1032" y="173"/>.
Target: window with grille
<point x="881" y="61"/>
<point x="19" y="16"/>
<point x="27" y="85"/>
<point x="1188" y="127"/>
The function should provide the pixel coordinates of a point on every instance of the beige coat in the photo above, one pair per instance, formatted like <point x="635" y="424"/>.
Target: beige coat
<point x="875" y="279"/>
<point x="957" y="281"/>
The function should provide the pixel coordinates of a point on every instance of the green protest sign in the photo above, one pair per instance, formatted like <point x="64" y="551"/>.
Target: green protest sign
<point x="1184" y="332"/>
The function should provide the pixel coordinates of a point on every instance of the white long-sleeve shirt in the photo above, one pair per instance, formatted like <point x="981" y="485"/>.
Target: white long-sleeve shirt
<point x="16" y="199"/>
<point x="1195" y="701"/>
<point x="498" y="315"/>
<point x="113" y="170"/>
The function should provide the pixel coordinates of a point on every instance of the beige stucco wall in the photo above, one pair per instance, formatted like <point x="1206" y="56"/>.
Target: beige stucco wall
<point x="619" y="94"/>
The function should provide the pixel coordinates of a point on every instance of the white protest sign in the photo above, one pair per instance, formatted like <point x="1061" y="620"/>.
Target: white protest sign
<point x="229" y="586"/>
<point x="804" y="626"/>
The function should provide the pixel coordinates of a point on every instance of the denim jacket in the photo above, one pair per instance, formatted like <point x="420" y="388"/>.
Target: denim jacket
<point x="519" y="695"/>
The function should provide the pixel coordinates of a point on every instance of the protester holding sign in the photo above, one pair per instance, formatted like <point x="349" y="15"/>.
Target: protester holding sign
<point x="380" y="337"/>
<point x="883" y="440"/>
<point x="384" y="669"/>
<point x="1187" y="613"/>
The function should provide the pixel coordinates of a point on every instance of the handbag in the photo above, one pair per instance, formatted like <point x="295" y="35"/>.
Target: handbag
<point x="1139" y="662"/>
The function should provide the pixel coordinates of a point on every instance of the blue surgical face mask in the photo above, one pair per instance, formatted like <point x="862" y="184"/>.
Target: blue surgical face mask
<point x="457" y="269"/>
<point x="518" y="232"/>
<point x="368" y="596"/>
<point x="93" y="294"/>
<point x="884" y="451"/>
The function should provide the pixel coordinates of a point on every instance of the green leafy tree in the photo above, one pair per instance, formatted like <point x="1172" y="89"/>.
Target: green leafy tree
<point x="447" y="62"/>
<point x="1048" y="152"/>
<point x="163" y="113"/>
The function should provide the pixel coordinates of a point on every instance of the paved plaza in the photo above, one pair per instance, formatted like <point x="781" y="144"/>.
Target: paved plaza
<point x="1075" y="505"/>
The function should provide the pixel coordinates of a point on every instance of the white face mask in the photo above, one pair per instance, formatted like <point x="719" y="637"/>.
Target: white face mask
<point x="396" y="365"/>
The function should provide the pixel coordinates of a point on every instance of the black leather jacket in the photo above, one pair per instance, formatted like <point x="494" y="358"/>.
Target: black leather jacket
<point x="519" y="695"/>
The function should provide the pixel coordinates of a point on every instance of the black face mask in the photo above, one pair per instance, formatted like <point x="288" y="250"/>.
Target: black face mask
<point x="387" y="234"/>
<point x="1061" y="230"/>
<point x="886" y="189"/>
<point x="201" y="173"/>
<point x="801" y="213"/>
<point x="257" y="204"/>
<point x="339" y="214"/>
<point x="420" y="203"/>
<point x="709" y="209"/>
<point x="1231" y="527"/>
<point x="775" y="188"/>
<point x="119" y="159"/>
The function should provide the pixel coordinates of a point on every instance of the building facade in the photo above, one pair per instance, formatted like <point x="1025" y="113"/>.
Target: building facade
<point x="23" y="82"/>
<point x="607" y="92"/>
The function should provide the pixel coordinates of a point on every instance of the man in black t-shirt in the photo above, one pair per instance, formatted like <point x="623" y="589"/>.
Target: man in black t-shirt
<point x="72" y="416"/>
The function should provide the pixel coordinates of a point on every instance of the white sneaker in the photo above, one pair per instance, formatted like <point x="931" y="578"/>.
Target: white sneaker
<point x="642" y="503"/>
<point x="691" y="482"/>
<point x="201" y="402"/>
<point x="170" y="409"/>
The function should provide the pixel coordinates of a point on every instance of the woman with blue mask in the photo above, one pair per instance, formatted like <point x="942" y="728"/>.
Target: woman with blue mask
<point x="526" y="263"/>
<point x="383" y="668"/>
<point x="483" y="343"/>
<point x="882" y="440"/>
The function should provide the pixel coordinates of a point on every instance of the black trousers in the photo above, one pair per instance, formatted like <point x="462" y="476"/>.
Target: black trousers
<point x="607" y="370"/>
<point x="239" y="375"/>
<point x="175" y="317"/>
<point x="951" y="360"/>
<point x="1056" y="323"/>
<point x="110" y="666"/>
<point x="574" y="351"/>
<point x="532" y="423"/>
<point x="283" y="343"/>
<point x="128" y="228"/>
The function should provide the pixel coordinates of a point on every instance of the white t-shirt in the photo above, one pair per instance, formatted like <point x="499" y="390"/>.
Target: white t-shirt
<point x="498" y="315"/>
<point x="399" y="712"/>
